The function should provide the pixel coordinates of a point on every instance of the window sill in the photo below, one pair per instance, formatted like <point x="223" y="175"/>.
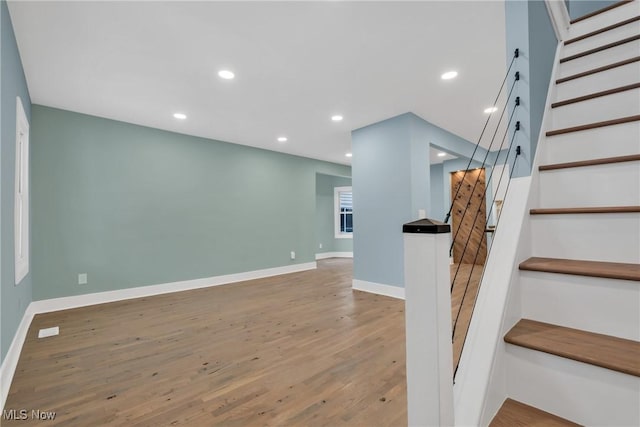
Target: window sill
<point x="344" y="236"/>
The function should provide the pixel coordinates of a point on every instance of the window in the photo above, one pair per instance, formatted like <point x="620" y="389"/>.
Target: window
<point x="21" y="203"/>
<point x="343" y="207"/>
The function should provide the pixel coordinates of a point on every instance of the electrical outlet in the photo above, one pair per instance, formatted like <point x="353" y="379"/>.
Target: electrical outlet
<point x="320" y="245"/>
<point x="293" y="255"/>
<point x="82" y="279"/>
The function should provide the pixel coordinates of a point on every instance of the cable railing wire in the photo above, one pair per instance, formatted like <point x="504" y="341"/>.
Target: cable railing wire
<point x="488" y="215"/>
<point x="483" y="199"/>
<point x="518" y="152"/>
<point x="515" y="159"/>
<point x="486" y="155"/>
<point x="516" y="54"/>
<point x="475" y="184"/>
<point x="475" y="219"/>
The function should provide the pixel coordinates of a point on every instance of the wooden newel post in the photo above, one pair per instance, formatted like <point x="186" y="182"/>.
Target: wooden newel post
<point x="428" y="323"/>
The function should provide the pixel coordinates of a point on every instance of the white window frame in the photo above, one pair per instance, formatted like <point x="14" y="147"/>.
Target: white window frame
<point x="336" y="210"/>
<point x="21" y="199"/>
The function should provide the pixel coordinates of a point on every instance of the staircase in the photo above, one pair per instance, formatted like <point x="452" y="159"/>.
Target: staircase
<point x="574" y="356"/>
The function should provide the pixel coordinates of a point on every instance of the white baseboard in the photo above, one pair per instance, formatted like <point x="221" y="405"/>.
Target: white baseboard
<point x="325" y="255"/>
<point x="64" y="303"/>
<point x="378" y="288"/>
<point x="8" y="368"/>
<point x="10" y="361"/>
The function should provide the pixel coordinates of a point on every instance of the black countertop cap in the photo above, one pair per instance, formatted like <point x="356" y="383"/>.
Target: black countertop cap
<point x="426" y="226"/>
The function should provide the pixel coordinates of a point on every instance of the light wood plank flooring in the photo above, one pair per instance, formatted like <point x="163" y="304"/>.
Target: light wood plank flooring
<point x="470" y="273"/>
<point x="516" y="414"/>
<point x="300" y="349"/>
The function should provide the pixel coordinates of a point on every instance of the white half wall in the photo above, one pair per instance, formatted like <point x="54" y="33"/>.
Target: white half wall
<point x="472" y="383"/>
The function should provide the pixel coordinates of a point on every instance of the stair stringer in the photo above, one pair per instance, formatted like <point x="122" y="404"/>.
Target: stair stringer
<point x="480" y="386"/>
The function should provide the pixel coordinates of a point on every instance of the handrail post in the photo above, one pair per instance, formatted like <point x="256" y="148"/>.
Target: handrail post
<point x="428" y="323"/>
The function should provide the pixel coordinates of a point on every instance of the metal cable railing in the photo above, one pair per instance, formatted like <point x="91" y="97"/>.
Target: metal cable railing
<point x="466" y="288"/>
<point x="516" y="54"/>
<point x="479" y="211"/>
<point x="484" y="161"/>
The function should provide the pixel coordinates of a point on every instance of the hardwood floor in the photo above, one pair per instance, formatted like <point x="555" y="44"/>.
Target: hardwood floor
<point x="302" y="349"/>
<point x="470" y="273"/>
<point x="516" y="414"/>
<point x="608" y="270"/>
<point x="606" y="351"/>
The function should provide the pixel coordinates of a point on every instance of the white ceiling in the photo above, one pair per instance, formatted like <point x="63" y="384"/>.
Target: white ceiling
<point x="435" y="159"/>
<point x="296" y="64"/>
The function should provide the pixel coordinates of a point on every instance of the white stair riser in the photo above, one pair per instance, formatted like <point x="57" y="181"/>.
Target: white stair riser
<point x="600" y="59"/>
<point x="583" y="393"/>
<point x="615" y="184"/>
<point x="604" y="19"/>
<point x="601" y="39"/>
<point x="604" y="306"/>
<point x="609" y="107"/>
<point x="608" y="141"/>
<point x="595" y="237"/>
<point x="615" y="77"/>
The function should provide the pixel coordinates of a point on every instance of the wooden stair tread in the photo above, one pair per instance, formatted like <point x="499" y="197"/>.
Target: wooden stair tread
<point x="594" y="125"/>
<point x="592" y="162"/>
<point x="600" y="48"/>
<point x="609" y="270"/>
<point x="605" y="351"/>
<point x="585" y="210"/>
<point x="596" y="95"/>
<point x="603" y="30"/>
<point x="599" y="11"/>
<point x="598" y="70"/>
<point x="516" y="414"/>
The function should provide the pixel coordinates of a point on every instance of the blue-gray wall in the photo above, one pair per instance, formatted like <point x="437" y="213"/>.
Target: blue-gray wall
<point x="325" y="214"/>
<point x="382" y="197"/>
<point x="15" y="299"/>
<point x="578" y="8"/>
<point x="529" y="28"/>
<point x="391" y="182"/>
<point x="133" y="206"/>
<point x="542" y="50"/>
<point x="438" y="210"/>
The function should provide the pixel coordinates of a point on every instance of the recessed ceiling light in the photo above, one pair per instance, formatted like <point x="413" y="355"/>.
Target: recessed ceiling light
<point x="442" y="154"/>
<point x="282" y="139"/>
<point x="449" y="75"/>
<point x="349" y="155"/>
<point x="491" y="110"/>
<point x="226" y="74"/>
<point x="180" y="116"/>
<point x="337" y="118"/>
